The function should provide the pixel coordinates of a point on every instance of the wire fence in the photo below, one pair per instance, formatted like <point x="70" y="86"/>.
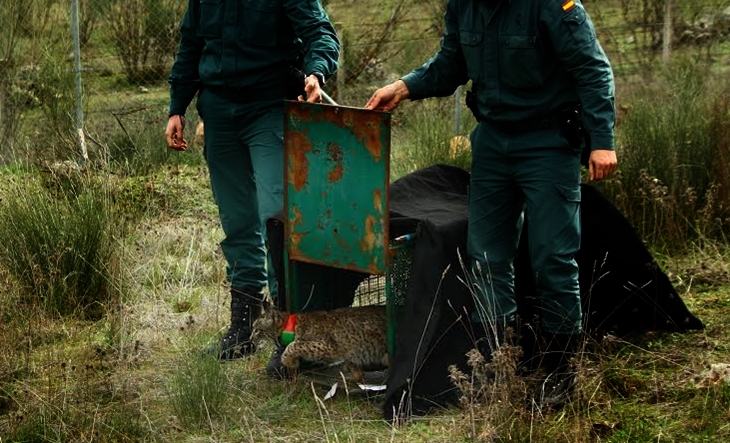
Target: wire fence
<point x="92" y="73"/>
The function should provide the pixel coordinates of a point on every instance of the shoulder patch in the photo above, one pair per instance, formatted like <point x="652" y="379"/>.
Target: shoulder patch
<point x="568" y="5"/>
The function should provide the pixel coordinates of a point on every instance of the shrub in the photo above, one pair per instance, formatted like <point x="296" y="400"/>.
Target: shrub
<point x="671" y="183"/>
<point x="21" y="25"/>
<point x="140" y="147"/>
<point x="145" y="34"/>
<point x="423" y="134"/>
<point x="198" y="391"/>
<point x="59" y="244"/>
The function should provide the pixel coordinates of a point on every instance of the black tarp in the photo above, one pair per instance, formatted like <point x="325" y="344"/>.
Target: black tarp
<point x="623" y="290"/>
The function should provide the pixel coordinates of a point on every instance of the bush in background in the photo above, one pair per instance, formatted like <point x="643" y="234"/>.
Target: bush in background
<point x="25" y="28"/>
<point x="52" y="87"/>
<point x="422" y="136"/>
<point x="59" y="245"/>
<point x="140" y="147"/>
<point x="198" y="391"/>
<point x="673" y="159"/>
<point x="145" y="34"/>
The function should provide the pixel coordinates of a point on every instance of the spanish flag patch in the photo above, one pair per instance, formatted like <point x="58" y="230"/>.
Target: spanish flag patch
<point x="568" y="5"/>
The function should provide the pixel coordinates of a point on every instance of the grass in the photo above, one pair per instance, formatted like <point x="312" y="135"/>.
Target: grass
<point x="58" y="243"/>
<point x="198" y="391"/>
<point x="136" y="376"/>
<point x="672" y="143"/>
<point x="422" y="134"/>
<point x="133" y="372"/>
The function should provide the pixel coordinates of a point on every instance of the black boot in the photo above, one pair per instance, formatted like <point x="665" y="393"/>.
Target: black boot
<point x="489" y="337"/>
<point x="556" y="388"/>
<point x="236" y="342"/>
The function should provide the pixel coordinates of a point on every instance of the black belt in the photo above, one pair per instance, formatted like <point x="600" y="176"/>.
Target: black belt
<point x="247" y="95"/>
<point x="556" y="120"/>
<point x="541" y="124"/>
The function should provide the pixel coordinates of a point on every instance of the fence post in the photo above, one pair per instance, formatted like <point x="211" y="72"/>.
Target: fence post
<point x="77" y="67"/>
<point x="667" y="40"/>
<point x="341" y="65"/>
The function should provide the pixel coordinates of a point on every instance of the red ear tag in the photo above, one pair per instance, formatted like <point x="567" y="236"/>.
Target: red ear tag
<point x="287" y="334"/>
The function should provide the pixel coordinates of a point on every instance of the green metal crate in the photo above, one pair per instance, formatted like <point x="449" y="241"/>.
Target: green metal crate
<point x="337" y="202"/>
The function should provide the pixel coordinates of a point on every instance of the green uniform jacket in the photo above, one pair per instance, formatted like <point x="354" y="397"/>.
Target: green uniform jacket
<point x="526" y="59"/>
<point x="249" y="45"/>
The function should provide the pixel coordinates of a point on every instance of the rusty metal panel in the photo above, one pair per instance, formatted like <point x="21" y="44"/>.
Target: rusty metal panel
<point x="337" y="167"/>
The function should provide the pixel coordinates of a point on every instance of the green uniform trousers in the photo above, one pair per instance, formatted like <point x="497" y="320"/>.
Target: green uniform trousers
<point x="244" y="152"/>
<point x="533" y="175"/>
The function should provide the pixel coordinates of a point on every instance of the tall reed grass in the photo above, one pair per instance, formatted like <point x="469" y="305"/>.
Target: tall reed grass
<point x="423" y="133"/>
<point x="673" y="180"/>
<point x="59" y="244"/>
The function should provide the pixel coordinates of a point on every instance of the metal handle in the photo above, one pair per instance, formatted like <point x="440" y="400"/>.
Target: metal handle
<point x="327" y="99"/>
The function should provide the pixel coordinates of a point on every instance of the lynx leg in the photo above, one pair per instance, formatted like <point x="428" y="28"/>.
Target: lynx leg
<point x="312" y="351"/>
<point x="290" y="356"/>
<point x="355" y="372"/>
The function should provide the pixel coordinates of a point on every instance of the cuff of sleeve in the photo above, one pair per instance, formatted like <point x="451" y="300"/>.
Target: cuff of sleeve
<point x="317" y="68"/>
<point x="415" y="86"/>
<point x="177" y="107"/>
<point x="320" y="77"/>
<point x="602" y="140"/>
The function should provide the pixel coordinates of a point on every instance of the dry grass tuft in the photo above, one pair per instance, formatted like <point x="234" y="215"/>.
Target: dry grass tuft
<point x="493" y="394"/>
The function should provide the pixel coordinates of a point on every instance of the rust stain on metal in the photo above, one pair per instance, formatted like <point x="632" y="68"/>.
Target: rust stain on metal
<point x="367" y="243"/>
<point x="363" y="125"/>
<point x="378" y="200"/>
<point x="295" y="237"/>
<point x="299" y="112"/>
<point x="374" y="268"/>
<point x="370" y="132"/>
<point x="327" y="250"/>
<point x="344" y="244"/>
<point x="335" y="155"/>
<point x="298" y="145"/>
<point x="325" y="219"/>
<point x="296" y="220"/>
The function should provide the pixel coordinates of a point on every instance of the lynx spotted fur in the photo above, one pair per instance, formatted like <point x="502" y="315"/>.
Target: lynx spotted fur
<point x="355" y="336"/>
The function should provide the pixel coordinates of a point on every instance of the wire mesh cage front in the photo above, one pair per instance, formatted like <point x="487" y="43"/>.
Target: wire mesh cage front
<point x="372" y="291"/>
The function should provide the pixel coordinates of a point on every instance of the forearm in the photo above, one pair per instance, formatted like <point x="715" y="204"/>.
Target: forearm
<point x="312" y="26"/>
<point x="599" y="114"/>
<point x="434" y="79"/>
<point x="440" y="76"/>
<point x="184" y="79"/>
<point x="576" y="45"/>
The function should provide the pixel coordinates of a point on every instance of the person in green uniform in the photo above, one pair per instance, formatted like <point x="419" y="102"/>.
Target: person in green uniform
<point x="242" y="59"/>
<point x="534" y="66"/>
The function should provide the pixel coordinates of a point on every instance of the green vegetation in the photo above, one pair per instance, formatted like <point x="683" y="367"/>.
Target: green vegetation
<point x="674" y="179"/>
<point x="58" y="244"/>
<point x="111" y="278"/>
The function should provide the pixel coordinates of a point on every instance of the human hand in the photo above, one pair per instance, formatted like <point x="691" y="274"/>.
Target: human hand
<point x="388" y="97"/>
<point x="174" y="133"/>
<point x="312" y="89"/>
<point x="601" y="164"/>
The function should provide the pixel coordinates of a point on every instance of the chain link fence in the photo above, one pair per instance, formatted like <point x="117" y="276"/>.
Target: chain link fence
<point x="127" y="47"/>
